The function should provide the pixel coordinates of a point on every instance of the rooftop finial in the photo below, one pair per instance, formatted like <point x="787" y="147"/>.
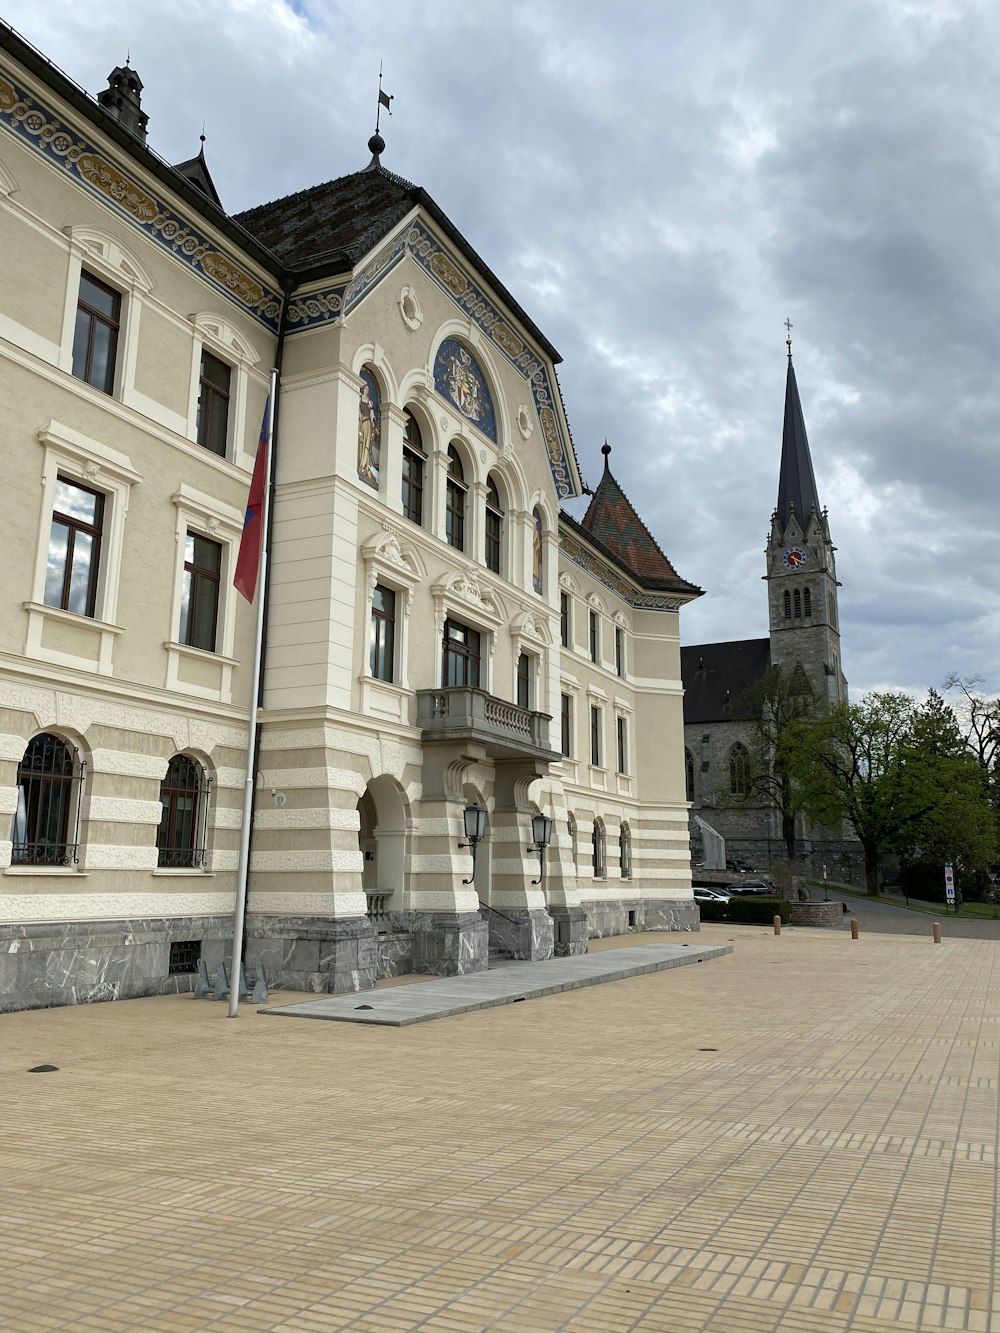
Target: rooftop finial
<point x="606" y="451"/>
<point x="376" y="144"/>
<point x="788" y="341"/>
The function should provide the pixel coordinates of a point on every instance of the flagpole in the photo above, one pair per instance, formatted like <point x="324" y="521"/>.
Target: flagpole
<point x="245" y="822"/>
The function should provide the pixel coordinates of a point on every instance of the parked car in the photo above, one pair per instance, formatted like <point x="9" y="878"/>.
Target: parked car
<point x="743" y="867"/>
<point x="749" y="886"/>
<point x="703" y="895"/>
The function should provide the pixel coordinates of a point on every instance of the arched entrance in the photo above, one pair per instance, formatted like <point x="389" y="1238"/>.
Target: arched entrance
<point x="382" y="839"/>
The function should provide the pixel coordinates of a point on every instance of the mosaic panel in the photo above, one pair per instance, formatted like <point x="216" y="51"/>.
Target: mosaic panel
<point x="33" y="124"/>
<point x="459" y="378"/>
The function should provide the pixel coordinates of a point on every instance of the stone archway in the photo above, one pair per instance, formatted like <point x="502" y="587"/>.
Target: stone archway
<point x="382" y="840"/>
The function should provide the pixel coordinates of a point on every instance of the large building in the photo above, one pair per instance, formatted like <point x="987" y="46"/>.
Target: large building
<point x="723" y="750"/>
<point x="439" y="635"/>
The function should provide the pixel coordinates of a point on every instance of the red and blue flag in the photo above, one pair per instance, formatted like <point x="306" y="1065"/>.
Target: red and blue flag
<point x="248" y="560"/>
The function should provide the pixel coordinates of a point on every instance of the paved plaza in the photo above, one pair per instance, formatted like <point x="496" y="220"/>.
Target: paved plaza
<point x="800" y="1136"/>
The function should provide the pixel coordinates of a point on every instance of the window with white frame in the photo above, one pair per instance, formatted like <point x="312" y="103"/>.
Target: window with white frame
<point x="181" y="835"/>
<point x="45" y="830"/>
<point x="95" y="333"/>
<point x="599" y="850"/>
<point x="382" y="634"/>
<point x="214" y="382"/>
<point x="222" y="370"/>
<point x="462" y="655"/>
<point x="85" y="494"/>
<point x="525" y="680"/>
<point x="203" y="616"/>
<point x="200" y="591"/>
<point x="106" y="284"/>
<point x="622" y="738"/>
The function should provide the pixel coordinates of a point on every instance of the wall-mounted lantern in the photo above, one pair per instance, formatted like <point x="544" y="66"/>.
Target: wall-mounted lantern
<point x="541" y="831"/>
<point x="475" y="830"/>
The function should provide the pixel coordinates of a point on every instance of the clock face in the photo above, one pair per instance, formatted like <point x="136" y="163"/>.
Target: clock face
<point x="794" y="558"/>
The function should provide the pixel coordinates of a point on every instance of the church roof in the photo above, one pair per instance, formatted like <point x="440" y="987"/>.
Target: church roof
<point x="715" y="675"/>
<point x="796" y="483"/>
<point x="611" y="521"/>
<point x="329" y="227"/>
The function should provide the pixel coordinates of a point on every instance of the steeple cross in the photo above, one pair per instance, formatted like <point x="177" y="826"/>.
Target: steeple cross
<point x="789" y="326"/>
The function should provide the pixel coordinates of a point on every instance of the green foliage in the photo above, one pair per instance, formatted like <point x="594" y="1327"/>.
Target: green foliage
<point x="748" y="910"/>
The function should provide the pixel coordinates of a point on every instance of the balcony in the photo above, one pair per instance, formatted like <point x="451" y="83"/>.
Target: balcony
<point x="507" y="732"/>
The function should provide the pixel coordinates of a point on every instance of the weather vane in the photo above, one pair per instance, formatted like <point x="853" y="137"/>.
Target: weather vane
<point x="383" y="99"/>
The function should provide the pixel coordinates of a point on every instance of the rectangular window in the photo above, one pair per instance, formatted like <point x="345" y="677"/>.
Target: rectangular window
<point x="595" y="638"/>
<point x="382" y="637"/>
<point x="566" y="721"/>
<point x="213" y="404"/>
<point x="454" y="516"/>
<point x="595" y="736"/>
<point x="564" y="619"/>
<point x="494" y="527"/>
<point x="200" y="594"/>
<point x="462" y="656"/>
<point x="95" y="338"/>
<point x="74" y="548"/>
<point x="524" y="681"/>
<point x="622" y="745"/>
<point x="619" y="650"/>
<point x="413" y="486"/>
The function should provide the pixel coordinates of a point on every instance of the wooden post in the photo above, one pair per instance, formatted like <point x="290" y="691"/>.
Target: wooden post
<point x="854" y="929"/>
<point x="937" y="932"/>
<point x="777" y="925"/>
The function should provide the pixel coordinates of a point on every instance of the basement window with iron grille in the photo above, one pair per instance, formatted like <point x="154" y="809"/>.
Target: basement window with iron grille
<point x="184" y="957"/>
<point x="46" y="826"/>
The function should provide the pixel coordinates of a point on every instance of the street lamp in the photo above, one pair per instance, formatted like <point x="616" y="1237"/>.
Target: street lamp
<point x="475" y="830"/>
<point x="541" y="831"/>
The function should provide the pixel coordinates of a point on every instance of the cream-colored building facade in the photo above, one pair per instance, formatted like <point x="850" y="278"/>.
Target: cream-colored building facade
<point x="439" y="634"/>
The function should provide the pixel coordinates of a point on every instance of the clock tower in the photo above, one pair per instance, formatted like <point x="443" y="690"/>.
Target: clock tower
<point x="801" y="569"/>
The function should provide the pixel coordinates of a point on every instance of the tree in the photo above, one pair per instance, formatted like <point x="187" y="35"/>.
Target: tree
<point x="771" y="708"/>
<point x="962" y="827"/>
<point x="866" y="763"/>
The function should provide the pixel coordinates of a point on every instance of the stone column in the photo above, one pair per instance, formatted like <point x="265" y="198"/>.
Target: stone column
<point x="520" y="924"/>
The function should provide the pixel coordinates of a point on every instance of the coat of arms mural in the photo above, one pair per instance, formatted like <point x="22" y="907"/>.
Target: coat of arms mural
<point x="458" y="378"/>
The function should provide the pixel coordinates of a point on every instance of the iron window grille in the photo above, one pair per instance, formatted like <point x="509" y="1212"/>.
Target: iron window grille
<point x="599" y="851"/>
<point x="200" y="596"/>
<point x="454" y="511"/>
<point x="494" y="526"/>
<point x="414" y="457"/>
<point x="625" y="851"/>
<point x="382" y="633"/>
<point x="462" y="656"/>
<point x="49" y="785"/>
<point x="181" y="836"/>
<point x="74" y="554"/>
<point x="95" y="338"/>
<point x="213" y="404"/>
<point x="184" y="957"/>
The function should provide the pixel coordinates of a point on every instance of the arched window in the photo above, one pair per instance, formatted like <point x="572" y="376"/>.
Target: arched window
<point x="798" y="604"/>
<point x="625" y="851"/>
<point x="688" y="774"/>
<point x="45" y="828"/>
<point x="600" y="856"/>
<point x="369" y="428"/>
<point x="537" y="549"/>
<point x="454" y="509"/>
<point x="180" y="839"/>
<point x="739" y="770"/>
<point x="414" y="460"/>
<point x="788" y="604"/>
<point x="807" y="601"/>
<point x="494" y="526"/>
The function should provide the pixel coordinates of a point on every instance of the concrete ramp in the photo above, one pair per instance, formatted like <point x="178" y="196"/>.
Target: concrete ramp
<point x="400" y="1006"/>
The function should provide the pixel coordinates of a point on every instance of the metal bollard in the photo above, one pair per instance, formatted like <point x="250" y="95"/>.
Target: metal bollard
<point x="854" y="928"/>
<point x="937" y="932"/>
<point x="777" y="925"/>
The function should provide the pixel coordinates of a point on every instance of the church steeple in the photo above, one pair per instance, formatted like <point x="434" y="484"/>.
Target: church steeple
<point x="796" y="483"/>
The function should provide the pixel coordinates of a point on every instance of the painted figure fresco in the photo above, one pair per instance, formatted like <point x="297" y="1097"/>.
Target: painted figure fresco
<point x="369" y="429"/>
<point x="458" y="378"/>
<point x="536" y="553"/>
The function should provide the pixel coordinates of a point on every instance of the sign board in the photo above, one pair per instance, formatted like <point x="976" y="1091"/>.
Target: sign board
<point x="949" y="882"/>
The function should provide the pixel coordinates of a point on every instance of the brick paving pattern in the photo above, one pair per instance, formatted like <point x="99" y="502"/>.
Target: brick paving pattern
<point x="799" y="1137"/>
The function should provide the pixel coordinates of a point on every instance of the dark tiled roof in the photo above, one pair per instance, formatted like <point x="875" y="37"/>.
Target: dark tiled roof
<point x="715" y="675"/>
<point x="195" y="170"/>
<point x="612" y="523"/>
<point x="796" y="482"/>
<point x="340" y="219"/>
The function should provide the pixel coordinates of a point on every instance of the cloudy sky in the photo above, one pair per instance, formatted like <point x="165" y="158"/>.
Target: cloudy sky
<point x="660" y="184"/>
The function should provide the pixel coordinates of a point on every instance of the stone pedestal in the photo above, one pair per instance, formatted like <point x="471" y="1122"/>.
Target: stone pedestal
<point x="669" y="914"/>
<point x="522" y="933"/>
<point x="569" y="927"/>
<point x="449" y="944"/>
<point x="323" y="957"/>
<point x="829" y="915"/>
